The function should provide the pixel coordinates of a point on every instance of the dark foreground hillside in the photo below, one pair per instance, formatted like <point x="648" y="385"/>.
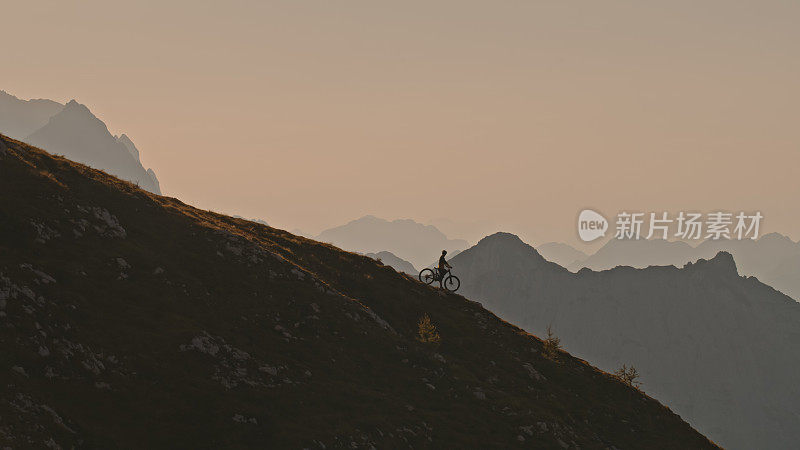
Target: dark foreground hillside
<point x="132" y="320"/>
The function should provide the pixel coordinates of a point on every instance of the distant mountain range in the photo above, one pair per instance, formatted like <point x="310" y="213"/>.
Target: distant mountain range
<point x="409" y="240"/>
<point x="773" y="258"/>
<point x="389" y="259"/>
<point x="261" y="221"/>
<point x="561" y="254"/>
<point x="72" y="130"/>
<point x="137" y="321"/>
<point x="721" y="350"/>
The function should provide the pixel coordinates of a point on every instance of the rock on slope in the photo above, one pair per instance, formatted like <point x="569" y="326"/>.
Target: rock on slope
<point x="132" y="320"/>
<point x="719" y="349"/>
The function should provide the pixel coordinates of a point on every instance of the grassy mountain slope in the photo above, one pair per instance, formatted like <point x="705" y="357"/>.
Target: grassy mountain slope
<point x="133" y="320"/>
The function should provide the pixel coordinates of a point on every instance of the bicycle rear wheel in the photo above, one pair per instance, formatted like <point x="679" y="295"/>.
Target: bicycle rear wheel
<point x="452" y="283"/>
<point x="426" y="276"/>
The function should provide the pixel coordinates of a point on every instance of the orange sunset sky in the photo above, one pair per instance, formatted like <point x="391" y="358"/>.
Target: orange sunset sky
<point x="502" y="115"/>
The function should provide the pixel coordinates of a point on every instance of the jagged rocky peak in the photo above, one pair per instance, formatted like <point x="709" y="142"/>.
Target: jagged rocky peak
<point x="73" y="105"/>
<point x="79" y="111"/>
<point x="126" y="141"/>
<point x="79" y="135"/>
<point x="75" y="118"/>
<point x="75" y="132"/>
<point x="723" y="264"/>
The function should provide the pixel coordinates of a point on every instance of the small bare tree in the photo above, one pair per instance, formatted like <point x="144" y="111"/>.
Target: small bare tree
<point x="552" y="344"/>
<point x="427" y="331"/>
<point x="629" y="376"/>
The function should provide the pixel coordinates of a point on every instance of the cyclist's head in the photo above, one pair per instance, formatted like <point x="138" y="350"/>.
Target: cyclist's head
<point x="444" y="252"/>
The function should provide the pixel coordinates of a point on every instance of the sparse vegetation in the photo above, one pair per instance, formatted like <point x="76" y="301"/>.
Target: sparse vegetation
<point x="628" y="375"/>
<point x="552" y="344"/>
<point x="427" y="331"/>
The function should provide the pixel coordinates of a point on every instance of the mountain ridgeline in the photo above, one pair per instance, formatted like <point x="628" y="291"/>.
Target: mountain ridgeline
<point x="409" y="240"/>
<point x="73" y="131"/>
<point x="133" y="320"/>
<point x="561" y="254"/>
<point x="773" y="258"/>
<point x="720" y="349"/>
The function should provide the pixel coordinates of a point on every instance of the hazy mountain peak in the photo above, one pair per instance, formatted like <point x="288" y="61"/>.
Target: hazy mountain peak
<point x="507" y="241"/>
<point x="81" y="136"/>
<point x="412" y="241"/>
<point x="507" y="250"/>
<point x="776" y="237"/>
<point x="410" y="223"/>
<point x="562" y="254"/>
<point x="638" y="253"/>
<point x="502" y="236"/>
<point x="19" y="118"/>
<point x="125" y="140"/>
<point x="773" y="258"/>
<point x="390" y="259"/>
<point x="369" y="218"/>
<point x="74" y="106"/>
<point x="4" y="95"/>
<point x="154" y="180"/>
<point x="723" y="264"/>
<point x="78" y="115"/>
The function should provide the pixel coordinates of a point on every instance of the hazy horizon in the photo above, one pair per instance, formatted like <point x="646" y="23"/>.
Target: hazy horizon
<point x="498" y="117"/>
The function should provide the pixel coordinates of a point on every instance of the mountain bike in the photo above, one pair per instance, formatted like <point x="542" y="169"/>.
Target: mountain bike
<point x="447" y="281"/>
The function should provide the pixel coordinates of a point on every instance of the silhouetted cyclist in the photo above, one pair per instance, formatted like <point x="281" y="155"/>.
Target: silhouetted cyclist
<point x="446" y="279"/>
<point x="443" y="266"/>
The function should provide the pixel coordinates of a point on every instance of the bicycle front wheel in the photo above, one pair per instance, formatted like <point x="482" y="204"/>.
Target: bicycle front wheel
<point x="452" y="283"/>
<point x="426" y="276"/>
